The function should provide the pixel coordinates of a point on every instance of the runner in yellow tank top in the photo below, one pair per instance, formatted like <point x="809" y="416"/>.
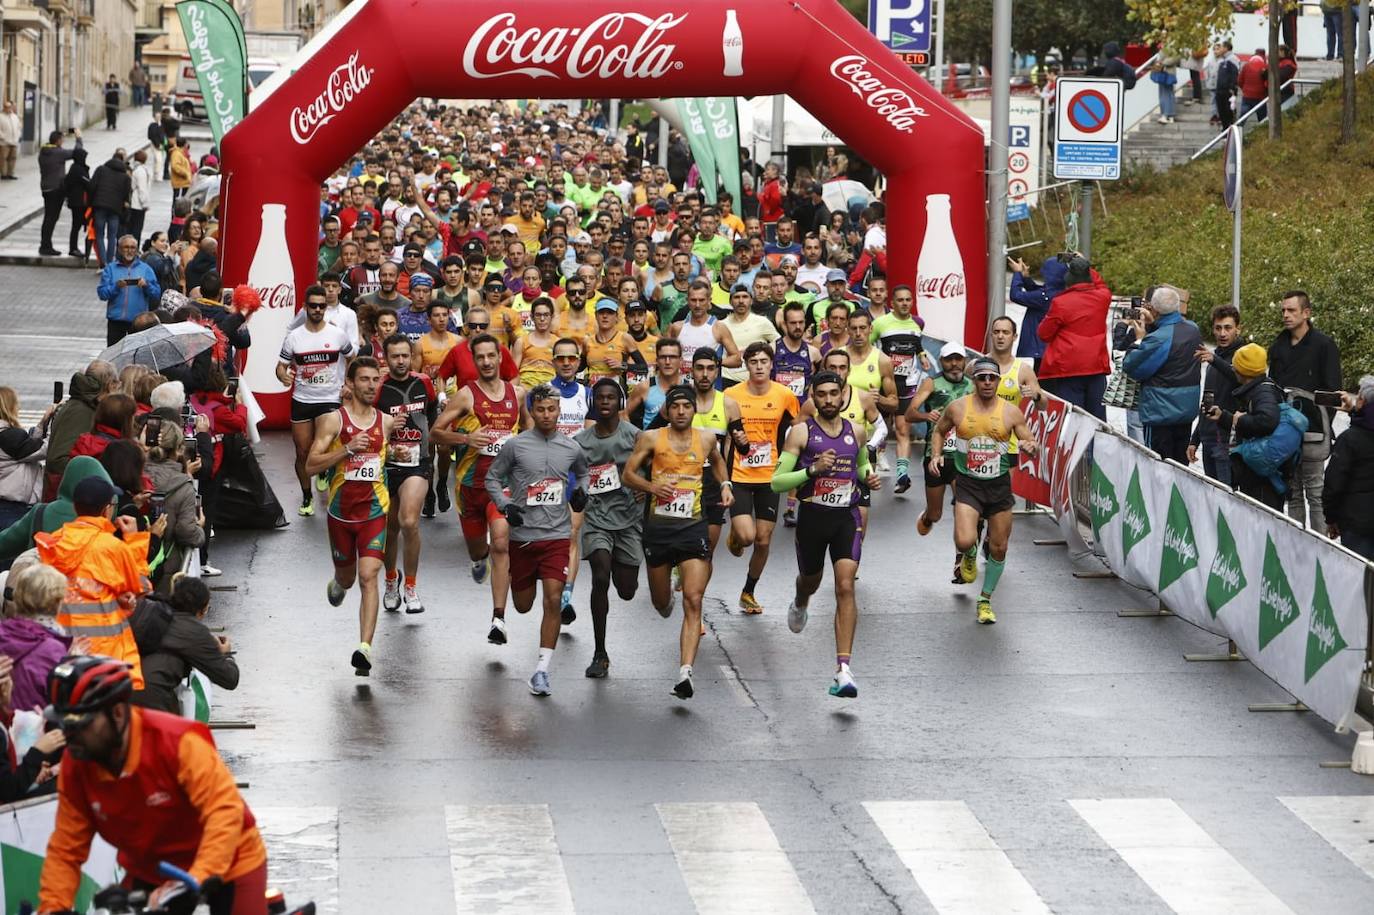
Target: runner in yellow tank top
<point x="1018" y="380"/>
<point x="432" y="348"/>
<point x="534" y="351"/>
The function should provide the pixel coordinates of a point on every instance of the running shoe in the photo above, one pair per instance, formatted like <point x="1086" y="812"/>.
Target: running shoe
<point x="748" y="604"/>
<point x="428" y="510"/>
<point x="796" y="616"/>
<point x="320" y="482"/>
<point x="539" y="684"/>
<point x="496" y="635"/>
<point x="968" y="568"/>
<point x="412" y="597"/>
<point x="985" y="615"/>
<point x="567" y="613"/>
<point x="923" y="525"/>
<point x="307" y="507"/>
<point x="789" y="516"/>
<point x="599" y="666"/>
<point x="335" y="592"/>
<point x="480" y="568"/>
<point x="683" y="688"/>
<point x="903" y="483"/>
<point x="441" y="499"/>
<point x="362" y="659"/>
<point x="883" y="465"/>
<point x="672" y="605"/>
<point x="391" y="597"/>
<point x="843" y="686"/>
<point x="209" y="571"/>
<point x="733" y="544"/>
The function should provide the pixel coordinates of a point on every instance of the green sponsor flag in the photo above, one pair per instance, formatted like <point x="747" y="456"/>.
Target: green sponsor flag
<point x="1226" y="576"/>
<point x="1278" y="607"/>
<point x="1323" y="635"/>
<point x="237" y="22"/>
<point x="722" y="120"/>
<point x="218" y="55"/>
<point x="693" y="113"/>
<point x="1179" y="554"/>
<point x="1104" y="504"/>
<point x="1135" y="519"/>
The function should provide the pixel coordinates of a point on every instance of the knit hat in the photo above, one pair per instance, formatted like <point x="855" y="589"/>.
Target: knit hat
<point x="1250" y="360"/>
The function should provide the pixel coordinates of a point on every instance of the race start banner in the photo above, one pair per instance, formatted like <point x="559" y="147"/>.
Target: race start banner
<point x="24" y="831"/>
<point x="1293" y="602"/>
<point x="213" y="39"/>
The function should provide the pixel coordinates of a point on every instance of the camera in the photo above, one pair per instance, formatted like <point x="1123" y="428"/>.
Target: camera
<point x="1209" y="400"/>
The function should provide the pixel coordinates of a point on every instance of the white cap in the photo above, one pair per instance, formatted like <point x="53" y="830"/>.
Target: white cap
<point x="953" y="348"/>
<point x="511" y="228"/>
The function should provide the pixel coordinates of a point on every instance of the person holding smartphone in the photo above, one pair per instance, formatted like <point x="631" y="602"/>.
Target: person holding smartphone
<point x="128" y="287"/>
<point x="220" y="413"/>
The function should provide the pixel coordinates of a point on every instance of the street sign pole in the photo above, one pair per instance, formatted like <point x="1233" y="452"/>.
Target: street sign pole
<point x="1085" y="220"/>
<point x="939" y="62"/>
<point x="997" y="159"/>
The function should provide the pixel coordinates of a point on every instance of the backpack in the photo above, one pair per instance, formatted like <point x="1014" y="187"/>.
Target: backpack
<point x="1268" y="455"/>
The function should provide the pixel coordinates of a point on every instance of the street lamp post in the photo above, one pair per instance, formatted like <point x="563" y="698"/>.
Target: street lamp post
<point x="997" y="159"/>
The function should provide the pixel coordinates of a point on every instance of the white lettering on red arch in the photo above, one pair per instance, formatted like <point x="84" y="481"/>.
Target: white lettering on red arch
<point x="629" y="45"/>
<point x="893" y="103"/>
<point x="343" y="85"/>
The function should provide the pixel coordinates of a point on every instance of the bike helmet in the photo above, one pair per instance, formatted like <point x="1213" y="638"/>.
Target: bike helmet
<point x="80" y="686"/>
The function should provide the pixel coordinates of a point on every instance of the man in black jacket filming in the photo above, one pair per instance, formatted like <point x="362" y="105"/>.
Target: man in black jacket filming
<point x="1209" y="441"/>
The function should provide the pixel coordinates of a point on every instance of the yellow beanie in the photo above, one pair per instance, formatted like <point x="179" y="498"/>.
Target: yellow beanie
<point x="1251" y="360"/>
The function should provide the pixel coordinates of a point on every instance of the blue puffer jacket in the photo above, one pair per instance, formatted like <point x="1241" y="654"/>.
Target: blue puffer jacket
<point x="124" y="303"/>
<point x="1165" y="364"/>
<point x="1036" y="299"/>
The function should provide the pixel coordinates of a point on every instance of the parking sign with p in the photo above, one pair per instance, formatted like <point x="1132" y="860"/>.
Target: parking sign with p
<point x="902" y="25"/>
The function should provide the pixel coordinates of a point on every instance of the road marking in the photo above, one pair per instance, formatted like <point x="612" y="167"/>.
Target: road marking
<point x="303" y="851"/>
<point x="955" y="862"/>
<point x="1176" y="858"/>
<point x="1347" y="822"/>
<point x="731" y="861"/>
<point x="731" y="677"/>
<point x="60" y="338"/>
<point x="505" y="860"/>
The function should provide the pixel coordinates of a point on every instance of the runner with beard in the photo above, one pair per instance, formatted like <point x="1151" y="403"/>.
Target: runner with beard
<point x="646" y="399"/>
<point x="574" y="405"/>
<point x="794" y="362"/>
<point x="898" y="335"/>
<point x="824" y="458"/>
<point x="861" y="409"/>
<point x="932" y="398"/>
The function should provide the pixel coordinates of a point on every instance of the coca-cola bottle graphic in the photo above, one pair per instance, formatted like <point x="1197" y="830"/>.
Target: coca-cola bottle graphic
<point x="732" y="42"/>
<point x="271" y="274"/>
<point x="941" y="299"/>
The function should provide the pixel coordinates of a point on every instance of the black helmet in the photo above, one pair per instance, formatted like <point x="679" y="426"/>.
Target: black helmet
<point x="81" y="685"/>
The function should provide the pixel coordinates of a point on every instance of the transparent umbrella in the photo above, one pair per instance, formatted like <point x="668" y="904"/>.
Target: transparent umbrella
<point x="161" y="346"/>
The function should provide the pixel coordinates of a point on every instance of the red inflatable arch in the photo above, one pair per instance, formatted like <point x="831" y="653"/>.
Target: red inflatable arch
<point x="811" y="49"/>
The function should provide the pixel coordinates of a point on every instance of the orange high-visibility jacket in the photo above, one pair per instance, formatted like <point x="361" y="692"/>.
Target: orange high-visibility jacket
<point x="99" y="568"/>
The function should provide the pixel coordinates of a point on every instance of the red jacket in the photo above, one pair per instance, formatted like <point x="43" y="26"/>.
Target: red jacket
<point x="770" y="201"/>
<point x="1075" y="331"/>
<point x="92" y="444"/>
<point x="226" y="418"/>
<point x="460" y="365"/>
<point x="1254" y="78"/>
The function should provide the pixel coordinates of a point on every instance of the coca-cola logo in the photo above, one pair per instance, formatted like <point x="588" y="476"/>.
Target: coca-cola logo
<point x="497" y="48"/>
<point x="344" y="85"/>
<point x="949" y="286"/>
<point x="282" y="295"/>
<point x="893" y="104"/>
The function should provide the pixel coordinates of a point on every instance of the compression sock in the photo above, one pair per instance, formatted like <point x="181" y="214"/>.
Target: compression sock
<point x="498" y="613"/>
<point x="841" y="660"/>
<point x="392" y="576"/>
<point x="410" y="581"/>
<point x="903" y="466"/>
<point x="545" y="658"/>
<point x="750" y="583"/>
<point x="991" y="574"/>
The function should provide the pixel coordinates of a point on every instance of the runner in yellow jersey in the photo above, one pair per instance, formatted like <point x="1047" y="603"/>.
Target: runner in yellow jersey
<point x="574" y="320"/>
<point x="534" y="351"/>
<point x="1018" y="380"/>
<point x="711" y="416"/>
<point x="611" y="352"/>
<point x="870" y="369"/>
<point x="861" y="409"/>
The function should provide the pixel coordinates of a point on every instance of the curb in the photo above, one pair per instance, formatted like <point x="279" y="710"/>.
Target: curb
<point x="35" y="260"/>
<point x="37" y="212"/>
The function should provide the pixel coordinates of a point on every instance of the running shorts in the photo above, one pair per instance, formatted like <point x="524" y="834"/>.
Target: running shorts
<point x="757" y="499"/>
<point x="946" y="476"/>
<point x="666" y="545"/>
<point x="865" y="494"/>
<point x="532" y="561"/>
<point x="477" y="511"/>
<point x="989" y="497"/>
<point x="625" y="546"/>
<point x="710" y="501"/>
<point x="395" y="476"/>
<point x="309" y="412"/>
<point x="350" y="541"/>
<point x="838" y="531"/>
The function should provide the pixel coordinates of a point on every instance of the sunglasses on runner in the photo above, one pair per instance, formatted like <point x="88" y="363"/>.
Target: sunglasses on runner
<point x="987" y="376"/>
<point x="483" y="326"/>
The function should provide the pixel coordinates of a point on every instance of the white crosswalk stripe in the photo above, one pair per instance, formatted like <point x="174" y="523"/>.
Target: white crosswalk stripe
<point x="505" y="859"/>
<point x="302" y="854"/>
<point x="1177" y="859"/>
<point x="1346" y="821"/>
<point x="731" y="861"/>
<point x="955" y="862"/>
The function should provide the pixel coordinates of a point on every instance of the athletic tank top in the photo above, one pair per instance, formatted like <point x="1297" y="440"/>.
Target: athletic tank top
<point x="1009" y="389"/>
<point x="793" y="369"/>
<point x="646" y="349"/>
<point x="410" y="403"/>
<point x="573" y="409"/>
<point x="580" y="333"/>
<point x="866" y="375"/>
<point x="599" y="355"/>
<point x="433" y="352"/>
<point x="653" y="402"/>
<point x="713" y="419"/>
<point x="838" y="487"/>
<point x="943" y="393"/>
<point x="536" y="363"/>
<point x="500" y="415"/>
<point x="682" y="471"/>
<point x="694" y="338"/>
<point x="357" y="486"/>
<point x="981" y="444"/>
<point x="854" y="411"/>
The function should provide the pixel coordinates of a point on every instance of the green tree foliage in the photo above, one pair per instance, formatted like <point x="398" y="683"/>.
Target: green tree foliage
<point x="1181" y="25"/>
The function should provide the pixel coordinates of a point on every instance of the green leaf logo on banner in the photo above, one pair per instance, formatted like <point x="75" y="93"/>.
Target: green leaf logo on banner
<point x="1104" y="504"/>
<point x="1135" y="523"/>
<point x="1278" y="607"/>
<point x="1323" y="635"/>
<point x="1226" y="578"/>
<point x="1180" y="549"/>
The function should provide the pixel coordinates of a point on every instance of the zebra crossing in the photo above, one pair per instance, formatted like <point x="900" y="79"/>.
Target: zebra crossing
<point x="506" y="859"/>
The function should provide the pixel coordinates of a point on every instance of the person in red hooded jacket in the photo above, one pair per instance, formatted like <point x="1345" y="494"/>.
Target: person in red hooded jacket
<point x="1075" y="365"/>
<point x="227" y="416"/>
<point x="114" y="419"/>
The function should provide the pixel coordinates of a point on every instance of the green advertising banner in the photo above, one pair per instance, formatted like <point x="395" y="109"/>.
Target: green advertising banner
<point x="218" y="55"/>
<point x="693" y="117"/>
<point x="722" y="122"/>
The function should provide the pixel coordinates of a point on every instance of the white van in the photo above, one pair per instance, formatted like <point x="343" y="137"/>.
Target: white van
<point x="187" y="101"/>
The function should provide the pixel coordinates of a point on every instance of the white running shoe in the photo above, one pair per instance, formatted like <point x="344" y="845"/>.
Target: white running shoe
<point x="480" y="568"/>
<point x="683" y="688"/>
<point x="796" y="616"/>
<point x="412" y="599"/>
<point x="843" y="686"/>
<point x="883" y="465"/>
<point x="391" y="597"/>
<point x="496" y="635"/>
<point x="209" y="571"/>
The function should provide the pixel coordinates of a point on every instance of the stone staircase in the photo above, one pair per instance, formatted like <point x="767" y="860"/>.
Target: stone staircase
<point x="1162" y="146"/>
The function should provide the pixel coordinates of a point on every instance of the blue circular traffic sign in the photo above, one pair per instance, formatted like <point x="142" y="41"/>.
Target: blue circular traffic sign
<point x="1089" y="111"/>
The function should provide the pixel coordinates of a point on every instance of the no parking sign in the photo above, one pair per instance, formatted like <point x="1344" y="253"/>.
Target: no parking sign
<point x="1087" y="136"/>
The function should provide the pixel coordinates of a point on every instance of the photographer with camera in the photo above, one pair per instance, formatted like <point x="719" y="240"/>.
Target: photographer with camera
<point x="1163" y="359"/>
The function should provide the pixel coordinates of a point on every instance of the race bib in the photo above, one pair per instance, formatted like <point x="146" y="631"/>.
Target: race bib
<point x="527" y="318"/>
<point x="903" y="364"/>
<point x="493" y="448"/>
<point x="315" y="373"/>
<point x="404" y="454"/>
<point x="760" y="455"/>
<point x="545" y="492"/>
<point x="363" y="468"/>
<point x="984" y="458"/>
<point x="603" y="478"/>
<point x="832" y="492"/>
<point x="570" y="428"/>
<point x="951" y="441"/>
<point x="795" y="382"/>
<point x="680" y="506"/>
